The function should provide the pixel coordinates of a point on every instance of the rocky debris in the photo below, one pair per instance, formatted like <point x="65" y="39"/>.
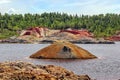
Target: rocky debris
<point x="30" y="38"/>
<point x="46" y="41"/>
<point x="26" y="71"/>
<point x="92" y="42"/>
<point x="62" y="49"/>
<point x="50" y="41"/>
<point x="13" y="41"/>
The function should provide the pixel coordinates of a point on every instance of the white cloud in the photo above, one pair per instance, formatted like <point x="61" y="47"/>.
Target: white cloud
<point x="90" y="7"/>
<point x="4" y="1"/>
<point x="11" y="11"/>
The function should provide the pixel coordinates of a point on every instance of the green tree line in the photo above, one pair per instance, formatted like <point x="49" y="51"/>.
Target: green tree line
<point x="101" y="25"/>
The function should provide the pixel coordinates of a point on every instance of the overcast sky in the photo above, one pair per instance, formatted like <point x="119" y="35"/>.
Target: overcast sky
<point x="87" y="7"/>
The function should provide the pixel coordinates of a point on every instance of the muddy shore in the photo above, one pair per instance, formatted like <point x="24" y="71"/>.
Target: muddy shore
<point x="51" y="41"/>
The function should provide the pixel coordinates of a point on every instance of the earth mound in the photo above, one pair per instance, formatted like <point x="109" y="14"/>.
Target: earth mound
<point x="63" y="49"/>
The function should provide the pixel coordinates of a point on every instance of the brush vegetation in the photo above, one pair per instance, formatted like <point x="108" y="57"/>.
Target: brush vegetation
<point x="101" y="25"/>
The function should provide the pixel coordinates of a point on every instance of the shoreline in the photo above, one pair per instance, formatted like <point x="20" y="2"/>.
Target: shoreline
<point x="52" y="41"/>
<point x="78" y="42"/>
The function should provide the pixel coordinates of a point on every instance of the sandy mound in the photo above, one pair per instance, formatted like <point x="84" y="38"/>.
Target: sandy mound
<point x="63" y="49"/>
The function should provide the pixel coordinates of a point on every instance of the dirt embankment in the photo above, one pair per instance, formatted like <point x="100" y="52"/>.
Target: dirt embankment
<point x="27" y="71"/>
<point x="63" y="49"/>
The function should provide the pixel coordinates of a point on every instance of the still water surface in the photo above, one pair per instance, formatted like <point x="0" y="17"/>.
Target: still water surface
<point x="106" y="67"/>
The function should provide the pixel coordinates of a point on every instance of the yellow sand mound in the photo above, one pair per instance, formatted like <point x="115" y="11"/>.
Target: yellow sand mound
<point x="63" y="49"/>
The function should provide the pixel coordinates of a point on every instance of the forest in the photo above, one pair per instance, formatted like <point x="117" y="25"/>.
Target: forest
<point x="102" y="25"/>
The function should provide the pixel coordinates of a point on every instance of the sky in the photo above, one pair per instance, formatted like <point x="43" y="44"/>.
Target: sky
<point x="86" y="7"/>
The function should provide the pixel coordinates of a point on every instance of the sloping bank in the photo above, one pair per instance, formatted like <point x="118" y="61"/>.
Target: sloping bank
<point x="27" y="71"/>
<point x="63" y="49"/>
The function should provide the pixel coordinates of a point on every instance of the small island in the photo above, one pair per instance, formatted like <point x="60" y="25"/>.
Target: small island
<point x="63" y="50"/>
